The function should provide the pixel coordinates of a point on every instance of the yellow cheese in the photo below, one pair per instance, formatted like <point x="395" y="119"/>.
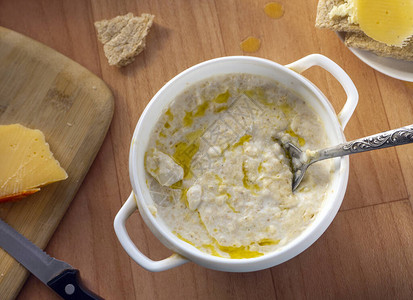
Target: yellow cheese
<point x="26" y="162"/>
<point x="387" y="21"/>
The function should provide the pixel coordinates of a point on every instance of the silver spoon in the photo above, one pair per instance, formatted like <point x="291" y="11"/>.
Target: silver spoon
<point x="300" y="160"/>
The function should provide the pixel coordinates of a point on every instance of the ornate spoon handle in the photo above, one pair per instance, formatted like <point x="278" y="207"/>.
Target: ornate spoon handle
<point x="391" y="138"/>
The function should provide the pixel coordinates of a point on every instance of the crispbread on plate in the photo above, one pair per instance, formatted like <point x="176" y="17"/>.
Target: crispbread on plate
<point x="361" y="41"/>
<point x="337" y="23"/>
<point x="354" y="36"/>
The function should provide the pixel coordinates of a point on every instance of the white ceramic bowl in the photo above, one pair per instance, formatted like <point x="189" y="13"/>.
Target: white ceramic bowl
<point x="287" y="75"/>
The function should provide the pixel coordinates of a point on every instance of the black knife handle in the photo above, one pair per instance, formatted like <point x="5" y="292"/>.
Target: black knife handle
<point x="68" y="286"/>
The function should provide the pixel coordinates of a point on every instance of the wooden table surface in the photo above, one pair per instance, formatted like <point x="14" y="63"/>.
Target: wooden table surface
<point x="367" y="252"/>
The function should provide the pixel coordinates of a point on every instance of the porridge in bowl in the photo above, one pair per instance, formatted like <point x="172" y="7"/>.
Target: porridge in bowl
<point x="218" y="175"/>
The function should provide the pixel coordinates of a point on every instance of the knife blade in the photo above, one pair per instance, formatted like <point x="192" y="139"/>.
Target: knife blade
<point x="57" y="274"/>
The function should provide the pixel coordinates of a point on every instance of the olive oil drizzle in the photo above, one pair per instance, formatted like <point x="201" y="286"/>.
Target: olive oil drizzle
<point x="250" y="44"/>
<point x="274" y="10"/>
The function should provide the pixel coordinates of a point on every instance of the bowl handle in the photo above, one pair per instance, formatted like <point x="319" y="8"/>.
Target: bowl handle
<point x="327" y="64"/>
<point x="124" y="213"/>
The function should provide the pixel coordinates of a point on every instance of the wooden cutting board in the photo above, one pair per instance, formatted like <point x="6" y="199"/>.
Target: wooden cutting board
<point x="40" y="88"/>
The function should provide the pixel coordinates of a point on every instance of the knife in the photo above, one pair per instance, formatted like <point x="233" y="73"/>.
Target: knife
<point x="58" y="275"/>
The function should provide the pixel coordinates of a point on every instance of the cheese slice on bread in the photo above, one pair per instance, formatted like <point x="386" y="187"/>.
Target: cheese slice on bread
<point x="384" y="27"/>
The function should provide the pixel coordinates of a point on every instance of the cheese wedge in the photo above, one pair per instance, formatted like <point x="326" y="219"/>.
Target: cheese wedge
<point x="386" y="21"/>
<point x="26" y="162"/>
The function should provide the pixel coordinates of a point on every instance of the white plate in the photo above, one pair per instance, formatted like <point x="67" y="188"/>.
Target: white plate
<point x="399" y="69"/>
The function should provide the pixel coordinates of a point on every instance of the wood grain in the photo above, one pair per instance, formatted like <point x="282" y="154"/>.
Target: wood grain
<point x="42" y="89"/>
<point x="366" y="253"/>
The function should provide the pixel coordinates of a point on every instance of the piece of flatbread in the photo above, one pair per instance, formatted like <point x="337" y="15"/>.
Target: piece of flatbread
<point x="362" y="41"/>
<point x="337" y="23"/>
<point x="123" y="37"/>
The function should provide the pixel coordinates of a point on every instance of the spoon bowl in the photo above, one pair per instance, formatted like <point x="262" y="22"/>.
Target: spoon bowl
<point x="301" y="160"/>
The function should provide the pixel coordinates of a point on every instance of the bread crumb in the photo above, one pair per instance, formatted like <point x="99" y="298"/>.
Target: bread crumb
<point x="123" y="37"/>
